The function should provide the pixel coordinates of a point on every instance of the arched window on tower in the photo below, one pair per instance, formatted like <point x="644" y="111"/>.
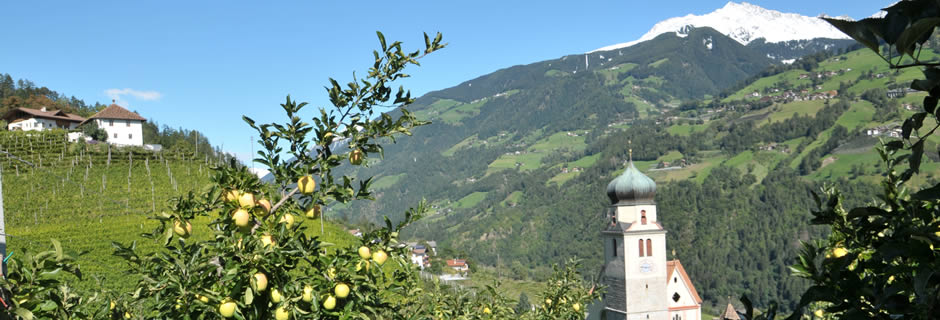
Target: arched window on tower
<point x="649" y="247"/>
<point x="642" y="216"/>
<point x="641" y="247"/>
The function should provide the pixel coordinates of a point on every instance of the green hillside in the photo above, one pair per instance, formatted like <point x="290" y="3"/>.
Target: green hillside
<point x="70" y="192"/>
<point x="503" y="181"/>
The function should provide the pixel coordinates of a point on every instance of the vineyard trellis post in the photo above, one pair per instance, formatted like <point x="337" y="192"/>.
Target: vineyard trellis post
<point x="3" y="232"/>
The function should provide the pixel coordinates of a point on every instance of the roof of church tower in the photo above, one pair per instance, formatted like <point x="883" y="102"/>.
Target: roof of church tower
<point x="631" y="186"/>
<point x="730" y="313"/>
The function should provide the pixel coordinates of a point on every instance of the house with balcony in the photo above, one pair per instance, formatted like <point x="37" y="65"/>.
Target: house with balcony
<point x="26" y="119"/>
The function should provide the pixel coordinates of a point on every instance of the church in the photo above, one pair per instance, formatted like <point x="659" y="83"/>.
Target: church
<point x="641" y="283"/>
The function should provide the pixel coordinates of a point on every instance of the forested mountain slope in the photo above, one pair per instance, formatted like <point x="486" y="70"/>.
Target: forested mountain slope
<point x="517" y="169"/>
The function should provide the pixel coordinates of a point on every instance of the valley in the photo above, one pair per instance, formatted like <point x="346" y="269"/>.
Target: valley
<point x="504" y="168"/>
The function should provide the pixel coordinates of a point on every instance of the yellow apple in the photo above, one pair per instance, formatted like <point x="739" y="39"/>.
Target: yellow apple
<point x="231" y="195"/>
<point x="266" y="240"/>
<point x="486" y="310"/>
<point x="341" y="290"/>
<point x="548" y="301"/>
<point x="227" y="308"/>
<point x="281" y="313"/>
<point x="576" y="306"/>
<point x="183" y="230"/>
<point x="355" y="157"/>
<point x="313" y="212"/>
<point x="818" y="313"/>
<point x="306" y="184"/>
<point x="276" y="296"/>
<point x="839" y="252"/>
<point x="264" y="207"/>
<point x="308" y="293"/>
<point x="287" y="219"/>
<point x="329" y="303"/>
<point x="247" y="200"/>
<point x="127" y="315"/>
<point x="380" y="257"/>
<point x="364" y="252"/>
<point x="261" y="281"/>
<point x="204" y="299"/>
<point x="112" y="305"/>
<point x="241" y="218"/>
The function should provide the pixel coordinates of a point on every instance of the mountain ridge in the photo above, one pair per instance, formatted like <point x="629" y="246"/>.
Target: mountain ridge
<point x="743" y="22"/>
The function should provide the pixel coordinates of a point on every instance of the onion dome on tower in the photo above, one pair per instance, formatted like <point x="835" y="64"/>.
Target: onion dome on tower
<point x="631" y="187"/>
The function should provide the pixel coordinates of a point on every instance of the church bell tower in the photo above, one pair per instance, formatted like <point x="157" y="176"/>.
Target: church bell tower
<point x="634" y="250"/>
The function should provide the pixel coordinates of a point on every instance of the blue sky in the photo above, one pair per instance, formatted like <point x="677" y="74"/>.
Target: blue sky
<point x="203" y="64"/>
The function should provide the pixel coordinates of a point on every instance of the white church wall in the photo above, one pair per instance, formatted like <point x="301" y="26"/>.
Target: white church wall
<point x="634" y="215"/>
<point x="686" y="314"/>
<point x="678" y="285"/>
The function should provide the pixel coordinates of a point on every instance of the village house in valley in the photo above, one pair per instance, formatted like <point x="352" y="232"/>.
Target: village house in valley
<point x="123" y="127"/>
<point x="25" y="119"/>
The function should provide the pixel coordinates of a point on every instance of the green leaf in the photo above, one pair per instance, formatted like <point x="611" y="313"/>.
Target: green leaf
<point x="58" y="249"/>
<point x="249" y="296"/>
<point x="857" y="30"/>
<point x="894" y="145"/>
<point x="907" y="128"/>
<point x="24" y="313"/>
<point x="47" y="306"/>
<point x="912" y="35"/>
<point x="382" y="40"/>
<point x="865" y="211"/>
<point x="930" y="104"/>
<point x="167" y="236"/>
<point x="928" y="194"/>
<point x="917" y="154"/>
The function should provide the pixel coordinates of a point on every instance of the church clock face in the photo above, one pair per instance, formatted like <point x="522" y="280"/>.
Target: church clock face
<point x="646" y="267"/>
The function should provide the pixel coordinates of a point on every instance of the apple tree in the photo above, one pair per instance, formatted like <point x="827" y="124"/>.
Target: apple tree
<point x="881" y="261"/>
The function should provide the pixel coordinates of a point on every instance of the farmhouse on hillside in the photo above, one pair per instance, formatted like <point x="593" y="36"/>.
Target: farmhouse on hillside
<point x="25" y="119"/>
<point x="123" y="127"/>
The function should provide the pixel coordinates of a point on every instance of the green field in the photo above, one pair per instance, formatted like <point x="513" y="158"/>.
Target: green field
<point x="859" y="115"/>
<point x="560" y="141"/>
<point x="659" y="62"/>
<point x="387" y="181"/>
<point x="514" y="197"/>
<point x="784" y="111"/>
<point x="470" y="200"/>
<point x="686" y="129"/>
<point x="531" y="158"/>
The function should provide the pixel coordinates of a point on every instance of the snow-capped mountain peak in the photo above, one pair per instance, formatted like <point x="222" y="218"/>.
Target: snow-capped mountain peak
<point x="744" y="22"/>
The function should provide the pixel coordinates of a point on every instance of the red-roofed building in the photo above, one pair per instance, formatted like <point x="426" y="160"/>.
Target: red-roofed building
<point x="460" y="265"/>
<point x="25" y="119"/>
<point x="124" y="127"/>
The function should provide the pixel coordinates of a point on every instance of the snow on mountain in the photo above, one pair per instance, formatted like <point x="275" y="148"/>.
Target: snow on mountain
<point x="744" y="22"/>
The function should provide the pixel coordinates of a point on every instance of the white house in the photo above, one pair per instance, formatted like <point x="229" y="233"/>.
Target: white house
<point x="419" y="256"/>
<point x="123" y="127"/>
<point x="25" y="119"/>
